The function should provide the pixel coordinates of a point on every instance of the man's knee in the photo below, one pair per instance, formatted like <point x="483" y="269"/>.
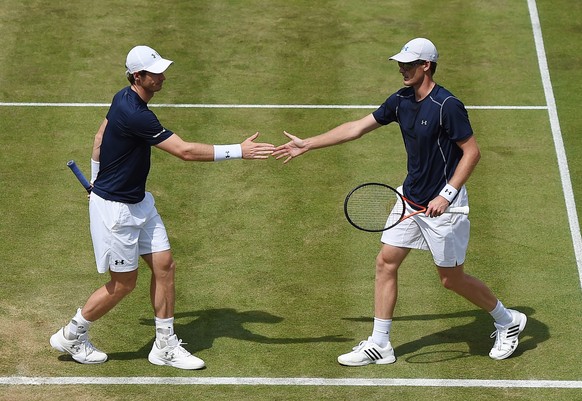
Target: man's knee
<point x="452" y="277"/>
<point x="167" y="268"/>
<point x="163" y="271"/>
<point x="162" y="264"/>
<point x="388" y="261"/>
<point x="122" y="283"/>
<point x="384" y="265"/>
<point x="448" y="282"/>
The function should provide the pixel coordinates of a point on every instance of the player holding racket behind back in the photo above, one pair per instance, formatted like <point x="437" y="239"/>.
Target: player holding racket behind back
<point x="442" y="153"/>
<point x="124" y="221"/>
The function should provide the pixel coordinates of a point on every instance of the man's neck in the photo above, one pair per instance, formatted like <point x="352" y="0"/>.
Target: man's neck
<point x="423" y="90"/>
<point x="146" y="96"/>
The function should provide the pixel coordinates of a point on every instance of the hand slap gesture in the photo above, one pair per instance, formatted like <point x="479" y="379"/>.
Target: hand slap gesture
<point x="295" y="147"/>
<point x="254" y="150"/>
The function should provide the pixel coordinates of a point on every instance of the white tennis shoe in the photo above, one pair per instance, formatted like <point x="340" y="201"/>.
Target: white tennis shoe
<point x="171" y="353"/>
<point x="79" y="348"/>
<point x="367" y="352"/>
<point x="507" y="337"/>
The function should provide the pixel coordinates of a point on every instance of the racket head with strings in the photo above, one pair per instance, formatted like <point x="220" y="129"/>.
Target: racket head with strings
<point x="374" y="207"/>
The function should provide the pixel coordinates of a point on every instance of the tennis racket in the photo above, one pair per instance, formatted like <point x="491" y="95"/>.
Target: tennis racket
<point x="75" y="169"/>
<point x="375" y="207"/>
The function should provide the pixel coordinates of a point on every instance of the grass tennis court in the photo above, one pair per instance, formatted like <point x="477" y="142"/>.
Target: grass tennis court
<point x="272" y="281"/>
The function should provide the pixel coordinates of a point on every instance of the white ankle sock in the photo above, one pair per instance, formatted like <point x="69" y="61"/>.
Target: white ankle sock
<point x="164" y="327"/>
<point x="77" y="326"/>
<point x="501" y="314"/>
<point x="381" y="331"/>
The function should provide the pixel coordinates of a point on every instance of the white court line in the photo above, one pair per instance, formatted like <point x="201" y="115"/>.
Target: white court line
<point x="557" y="135"/>
<point x="253" y="106"/>
<point x="255" y="381"/>
<point x="289" y="381"/>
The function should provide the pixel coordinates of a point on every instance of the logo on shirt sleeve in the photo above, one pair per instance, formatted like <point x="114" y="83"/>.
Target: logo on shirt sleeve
<point x="159" y="133"/>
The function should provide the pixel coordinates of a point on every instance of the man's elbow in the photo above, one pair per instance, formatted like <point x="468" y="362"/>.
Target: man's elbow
<point x="185" y="156"/>
<point x="475" y="156"/>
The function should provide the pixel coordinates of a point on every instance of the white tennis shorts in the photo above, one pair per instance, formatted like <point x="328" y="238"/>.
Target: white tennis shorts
<point x="446" y="236"/>
<point x="122" y="232"/>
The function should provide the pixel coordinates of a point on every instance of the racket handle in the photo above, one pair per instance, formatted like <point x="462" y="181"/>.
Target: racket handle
<point x="458" y="210"/>
<point x="75" y="169"/>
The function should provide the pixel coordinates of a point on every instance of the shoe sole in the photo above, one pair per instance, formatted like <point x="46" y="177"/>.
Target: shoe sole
<point x="384" y="361"/>
<point x="86" y="362"/>
<point x="161" y="362"/>
<point x="521" y="328"/>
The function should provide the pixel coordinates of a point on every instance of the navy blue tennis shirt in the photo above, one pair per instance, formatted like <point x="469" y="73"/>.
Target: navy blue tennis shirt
<point x="430" y="129"/>
<point x="132" y="129"/>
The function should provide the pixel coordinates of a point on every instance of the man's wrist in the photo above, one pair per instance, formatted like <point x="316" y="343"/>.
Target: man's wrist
<point x="449" y="192"/>
<point x="94" y="170"/>
<point x="227" y="152"/>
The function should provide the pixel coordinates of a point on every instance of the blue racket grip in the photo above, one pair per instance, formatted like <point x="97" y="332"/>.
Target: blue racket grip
<point x="75" y="169"/>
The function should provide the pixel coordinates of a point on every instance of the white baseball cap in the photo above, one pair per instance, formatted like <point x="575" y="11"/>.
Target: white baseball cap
<point x="144" y="58"/>
<point x="417" y="49"/>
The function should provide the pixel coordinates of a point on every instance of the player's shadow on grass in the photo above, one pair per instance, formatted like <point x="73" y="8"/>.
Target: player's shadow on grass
<point x="475" y="334"/>
<point x="199" y="329"/>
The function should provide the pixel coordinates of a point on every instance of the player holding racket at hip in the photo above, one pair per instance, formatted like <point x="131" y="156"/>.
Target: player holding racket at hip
<point x="442" y="153"/>
<point x="124" y="221"/>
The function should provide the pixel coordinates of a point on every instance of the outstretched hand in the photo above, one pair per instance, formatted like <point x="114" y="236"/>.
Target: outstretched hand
<point x="295" y="147"/>
<point x="254" y="150"/>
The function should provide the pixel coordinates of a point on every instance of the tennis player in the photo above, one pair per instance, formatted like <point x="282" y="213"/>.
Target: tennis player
<point x="442" y="153"/>
<point x="124" y="221"/>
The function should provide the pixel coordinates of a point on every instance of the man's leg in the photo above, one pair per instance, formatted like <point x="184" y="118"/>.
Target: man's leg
<point x="470" y="288"/>
<point x="167" y="348"/>
<point x="107" y="297"/>
<point x="74" y="338"/>
<point x="508" y="323"/>
<point x="162" y="286"/>
<point x="386" y="288"/>
<point x="377" y="348"/>
<point x="388" y="262"/>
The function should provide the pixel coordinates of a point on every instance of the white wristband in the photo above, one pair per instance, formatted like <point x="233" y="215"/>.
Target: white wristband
<point x="94" y="170"/>
<point x="227" y="152"/>
<point x="449" y="192"/>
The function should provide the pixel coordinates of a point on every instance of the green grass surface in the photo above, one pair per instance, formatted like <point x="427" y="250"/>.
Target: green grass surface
<point x="272" y="281"/>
